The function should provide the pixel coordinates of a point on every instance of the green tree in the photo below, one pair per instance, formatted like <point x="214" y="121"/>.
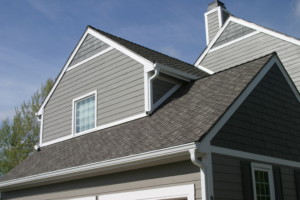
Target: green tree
<point x="18" y="137"/>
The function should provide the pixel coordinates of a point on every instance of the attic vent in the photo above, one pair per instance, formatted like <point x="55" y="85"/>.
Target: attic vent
<point x="89" y="47"/>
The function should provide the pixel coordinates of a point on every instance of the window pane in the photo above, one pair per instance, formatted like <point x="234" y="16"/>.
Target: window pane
<point x="262" y="185"/>
<point x="85" y="114"/>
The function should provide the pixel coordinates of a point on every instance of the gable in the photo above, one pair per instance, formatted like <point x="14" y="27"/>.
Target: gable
<point x="89" y="47"/>
<point x="232" y="32"/>
<point x="267" y="122"/>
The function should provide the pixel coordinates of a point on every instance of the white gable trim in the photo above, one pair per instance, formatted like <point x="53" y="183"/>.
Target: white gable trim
<point x="90" y="58"/>
<point x="233" y="41"/>
<point x="205" y="143"/>
<point x="174" y="192"/>
<point x="113" y="44"/>
<point x="250" y="25"/>
<point x="210" y="44"/>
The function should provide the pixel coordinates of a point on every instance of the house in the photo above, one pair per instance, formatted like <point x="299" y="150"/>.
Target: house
<point x="126" y="122"/>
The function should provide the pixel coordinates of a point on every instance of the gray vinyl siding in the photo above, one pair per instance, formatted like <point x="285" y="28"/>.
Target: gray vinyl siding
<point x="90" y="46"/>
<point x="267" y="122"/>
<point x="228" y="183"/>
<point x="288" y="183"/>
<point x="119" y="81"/>
<point x="227" y="178"/>
<point x="180" y="173"/>
<point x="212" y="24"/>
<point x="160" y="88"/>
<point x="254" y="47"/>
<point x="233" y="31"/>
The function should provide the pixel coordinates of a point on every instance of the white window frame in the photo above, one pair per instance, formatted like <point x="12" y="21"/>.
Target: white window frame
<point x="93" y="93"/>
<point x="173" y="192"/>
<point x="264" y="168"/>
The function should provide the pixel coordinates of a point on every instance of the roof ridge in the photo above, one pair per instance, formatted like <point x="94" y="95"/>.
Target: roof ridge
<point x="101" y="31"/>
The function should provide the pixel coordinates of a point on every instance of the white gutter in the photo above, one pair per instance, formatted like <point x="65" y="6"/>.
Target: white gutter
<point x="113" y="164"/>
<point x="150" y="89"/>
<point x="203" y="177"/>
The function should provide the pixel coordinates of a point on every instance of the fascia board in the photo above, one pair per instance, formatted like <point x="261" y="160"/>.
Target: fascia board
<point x="102" y="166"/>
<point x="147" y="64"/>
<point x="204" y="144"/>
<point x="177" y="73"/>
<point x="213" y="41"/>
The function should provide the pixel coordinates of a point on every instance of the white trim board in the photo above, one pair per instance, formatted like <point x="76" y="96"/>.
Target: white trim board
<point x="250" y="25"/>
<point x="205" y="143"/>
<point x="111" y="43"/>
<point x="102" y="166"/>
<point x="255" y="157"/>
<point x="174" y="192"/>
<point x="97" y="128"/>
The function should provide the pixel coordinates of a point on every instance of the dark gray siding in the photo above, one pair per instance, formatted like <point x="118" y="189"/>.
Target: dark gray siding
<point x="252" y="48"/>
<point x="179" y="173"/>
<point x="90" y="46"/>
<point x="160" y="88"/>
<point x="119" y="81"/>
<point x="227" y="178"/>
<point x="213" y="24"/>
<point x="288" y="183"/>
<point x="225" y="16"/>
<point x="267" y="122"/>
<point x="233" y="31"/>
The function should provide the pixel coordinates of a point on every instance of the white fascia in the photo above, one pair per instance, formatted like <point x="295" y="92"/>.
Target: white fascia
<point x="212" y="42"/>
<point x="147" y="64"/>
<point x="113" y="164"/>
<point x="176" y="73"/>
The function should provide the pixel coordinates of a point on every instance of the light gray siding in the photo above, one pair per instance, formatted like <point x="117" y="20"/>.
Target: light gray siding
<point x="119" y="81"/>
<point x="212" y="24"/>
<point x="254" y="47"/>
<point x="160" y="88"/>
<point x="228" y="183"/>
<point x="233" y="31"/>
<point x="180" y="173"/>
<point x="90" y="46"/>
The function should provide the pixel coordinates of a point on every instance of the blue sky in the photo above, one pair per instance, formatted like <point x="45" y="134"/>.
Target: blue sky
<point x="38" y="36"/>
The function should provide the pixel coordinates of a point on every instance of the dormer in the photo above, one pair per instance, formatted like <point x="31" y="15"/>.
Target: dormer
<point x="108" y="81"/>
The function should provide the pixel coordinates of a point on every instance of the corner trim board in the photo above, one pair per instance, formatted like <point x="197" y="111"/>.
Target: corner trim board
<point x="102" y="166"/>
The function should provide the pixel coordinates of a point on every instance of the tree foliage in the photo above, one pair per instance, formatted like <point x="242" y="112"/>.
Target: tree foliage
<point x="18" y="136"/>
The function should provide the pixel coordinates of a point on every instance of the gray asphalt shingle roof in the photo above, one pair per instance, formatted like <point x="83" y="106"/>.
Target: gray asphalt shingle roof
<point x="155" y="56"/>
<point x="185" y="117"/>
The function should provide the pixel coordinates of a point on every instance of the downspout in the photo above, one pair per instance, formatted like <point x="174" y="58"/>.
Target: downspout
<point x="150" y="89"/>
<point x="203" y="178"/>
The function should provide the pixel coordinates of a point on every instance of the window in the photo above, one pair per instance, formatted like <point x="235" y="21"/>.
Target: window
<point x="263" y="184"/>
<point x="84" y="113"/>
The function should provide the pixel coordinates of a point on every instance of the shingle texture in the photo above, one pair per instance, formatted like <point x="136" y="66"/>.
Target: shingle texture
<point x="155" y="56"/>
<point x="186" y="117"/>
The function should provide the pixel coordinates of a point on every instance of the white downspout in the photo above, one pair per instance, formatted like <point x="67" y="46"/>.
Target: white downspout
<point x="150" y="90"/>
<point x="203" y="178"/>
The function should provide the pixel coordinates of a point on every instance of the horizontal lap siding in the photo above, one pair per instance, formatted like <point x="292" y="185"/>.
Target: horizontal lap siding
<point x="233" y="31"/>
<point x="90" y="46"/>
<point x="213" y="24"/>
<point x="181" y="173"/>
<point x="227" y="178"/>
<point x="160" y="88"/>
<point x="119" y="82"/>
<point x="253" y="47"/>
<point x="267" y="122"/>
